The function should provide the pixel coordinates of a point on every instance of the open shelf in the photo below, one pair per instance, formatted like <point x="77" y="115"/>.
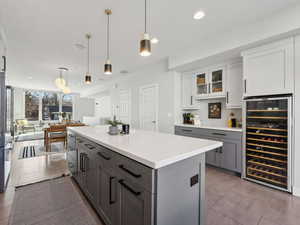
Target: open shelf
<point x="267" y="141"/>
<point x="268" y="135"/>
<point x="266" y="128"/>
<point x="267" y="165"/>
<point x="267" y="146"/>
<point x="267" y="172"/>
<point x="265" y="152"/>
<point x="267" y="158"/>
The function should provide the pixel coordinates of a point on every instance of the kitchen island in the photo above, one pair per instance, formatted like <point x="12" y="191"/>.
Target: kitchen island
<point x="144" y="178"/>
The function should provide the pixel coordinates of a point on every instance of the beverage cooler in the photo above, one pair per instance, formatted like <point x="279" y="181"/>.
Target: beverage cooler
<point x="268" y="141"/>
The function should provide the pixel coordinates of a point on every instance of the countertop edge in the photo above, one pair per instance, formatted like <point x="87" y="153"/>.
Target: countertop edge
<point x="212" y="128"/>
<point x="146" y="162"/>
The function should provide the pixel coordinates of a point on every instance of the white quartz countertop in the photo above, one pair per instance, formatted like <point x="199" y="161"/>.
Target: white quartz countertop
<point x="210" y="127"/>
<point x="152" y="149"/>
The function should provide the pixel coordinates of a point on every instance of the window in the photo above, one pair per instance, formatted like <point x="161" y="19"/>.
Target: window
<point x="50" y="106"/>
<point x="67" y="106"/>
<point x="32" y="99"/>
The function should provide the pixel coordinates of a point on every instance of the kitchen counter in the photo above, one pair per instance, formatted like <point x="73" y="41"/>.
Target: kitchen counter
<point x="152" y="149"/>
<point x="210" y="127"/>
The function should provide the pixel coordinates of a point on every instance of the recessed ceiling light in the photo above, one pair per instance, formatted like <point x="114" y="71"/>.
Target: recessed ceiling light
<point x="199" y="15"/>
<point x="154" y="40"/>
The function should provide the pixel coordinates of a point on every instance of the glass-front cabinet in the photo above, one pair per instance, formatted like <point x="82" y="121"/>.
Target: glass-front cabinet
<point x="210" y="83"/>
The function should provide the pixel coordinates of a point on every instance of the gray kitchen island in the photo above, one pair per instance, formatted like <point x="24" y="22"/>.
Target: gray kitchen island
<point x="144" y="178"/>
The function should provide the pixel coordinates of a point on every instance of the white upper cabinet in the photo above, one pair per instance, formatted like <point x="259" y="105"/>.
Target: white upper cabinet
<point x="234" y="85"/>
<point x="210" y="83"/>
<point x="187" y="91"/>
<point x="269" y="69"/>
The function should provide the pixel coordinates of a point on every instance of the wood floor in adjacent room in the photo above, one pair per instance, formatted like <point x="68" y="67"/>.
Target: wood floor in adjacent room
<point x="229" y="199"/>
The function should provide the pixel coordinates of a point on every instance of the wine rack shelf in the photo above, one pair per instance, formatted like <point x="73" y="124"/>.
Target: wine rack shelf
<point x="267" y="158"/>
<point x="267" y="179"/>
<point x="267" y="146"/>
<point x="267" y="135"/>
<point x="267" y="128"/>
<point x="268" y="117"/>
<point x="265" y="110"/>
<point x="267" y="141"/>
<point x="266" y="152"/>
<point x="267" y="172"/>
<point x="267" y="165"/>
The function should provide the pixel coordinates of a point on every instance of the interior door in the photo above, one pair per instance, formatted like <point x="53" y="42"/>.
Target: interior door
<point x="149" y="107"/>
<point x="125" y="106"/>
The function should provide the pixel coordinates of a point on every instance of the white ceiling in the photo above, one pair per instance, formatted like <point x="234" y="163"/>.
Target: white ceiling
<point x="41" y="34"/>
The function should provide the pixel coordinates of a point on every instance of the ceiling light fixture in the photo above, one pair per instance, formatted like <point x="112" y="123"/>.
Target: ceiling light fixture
<point x="88" y="77"/>
<point x="199" y="15"/>
<point x="107" y="65"/>
<point x="60" y="81"/>
<point x="67" y="89"/>
<point x="145" y="44"/>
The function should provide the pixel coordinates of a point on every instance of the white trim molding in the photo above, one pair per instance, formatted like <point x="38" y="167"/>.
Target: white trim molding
<point x="296" y="191"/>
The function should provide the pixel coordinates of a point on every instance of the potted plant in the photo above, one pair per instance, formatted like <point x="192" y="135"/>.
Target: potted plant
<point x="113" y="128"/>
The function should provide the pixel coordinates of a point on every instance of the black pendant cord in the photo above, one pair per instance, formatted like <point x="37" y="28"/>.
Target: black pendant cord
<point x="108" y="42"/>
<point x="145" y="16"/>
<point x="88" y="56"/>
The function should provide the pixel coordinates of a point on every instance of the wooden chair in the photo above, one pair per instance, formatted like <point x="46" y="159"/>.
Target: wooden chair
<point x="55" y="133"/>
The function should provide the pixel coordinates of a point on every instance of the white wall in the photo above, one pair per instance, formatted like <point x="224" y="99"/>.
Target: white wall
<point x="83" y="107"/>
<point x="103" y="107"/>
<point x="152" y="74"/>
<point x="297" y="118"/>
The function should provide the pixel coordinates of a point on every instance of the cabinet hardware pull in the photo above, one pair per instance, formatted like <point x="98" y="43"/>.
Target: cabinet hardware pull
<point x="221" y="150"/>
<point x="122" y="182"/>
<point x="4" y="63"/>
<point x="110" y="190"/>
<point x="245" y="86"/>
<point x="184" y="130"/>
<point x="84" y="160"/>
<point x="89" y="146"/>
<point x="80" y="161"/>
<point x="191" y="100"/>
<point x="103" y="156"/>
<point x="227" y="96"/>
<point x="208" y="88"/>
<point x="122" y="167"/>
<point x="220" y="134"/>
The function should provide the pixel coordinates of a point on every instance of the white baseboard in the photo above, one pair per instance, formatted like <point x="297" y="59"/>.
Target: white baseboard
<point x="296" y="191"/>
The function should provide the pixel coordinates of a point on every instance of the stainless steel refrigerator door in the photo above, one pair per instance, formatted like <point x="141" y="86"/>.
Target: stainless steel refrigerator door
<point x="290" y="140"/>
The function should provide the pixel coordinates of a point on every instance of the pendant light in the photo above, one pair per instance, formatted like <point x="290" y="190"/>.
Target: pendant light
<point x="145" y="44"/>
<point x="88" y="77"/>
<point x="107" y="65"/>
<point x="67" y="89"/>
<point x="60" y="81"/>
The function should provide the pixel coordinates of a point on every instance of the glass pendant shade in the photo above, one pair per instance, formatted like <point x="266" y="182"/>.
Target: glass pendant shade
<point x="107" y="68"/>
<point x="60" y="83"/>
<point x="88" y="79"/>
<point x="145" y="46"/>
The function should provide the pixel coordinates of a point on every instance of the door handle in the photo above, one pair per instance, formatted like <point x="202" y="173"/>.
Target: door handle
<point x="221" y="150"/>
<point x="80" y="162"/>
<point x="227" y="97"/>
<point x="245" y="86"/>
<point x="111" y="201"/>
<point x="89" y="146"/>
<point x="208" y="88"/>
<point x="185" y="130"/>
<point x="103" y="156"/>
<point x="136" y="193"/>
<point x="4" y="63"/>
<point x="219" y="134"/>
<point x="191" y="100"/>
<point x="153" y="121"/>
<point x="122" y="167"/>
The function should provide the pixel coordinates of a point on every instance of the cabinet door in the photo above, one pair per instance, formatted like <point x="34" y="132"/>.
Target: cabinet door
<point x="211" y="157"/>
<point x="202" y="84"/>
<point x="134" y="205"/>
<point x="80" y="176"/>
<point x="90" y="175"/>
<point x="269" y="69"/>
<point x="107" y="195"/>
<point x="187" y="90"/>
<point x="234" y="86"/>
<point x="230" y="156"/>
<point x="217" y="81"/>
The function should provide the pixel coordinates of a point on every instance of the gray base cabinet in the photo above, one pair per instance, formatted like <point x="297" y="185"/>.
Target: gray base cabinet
<point x="125" y="192"/>
<point x="227" y="157"/>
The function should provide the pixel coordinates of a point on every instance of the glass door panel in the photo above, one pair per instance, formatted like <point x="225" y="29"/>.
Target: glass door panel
<point x="202" y="84"/>
<point x="217" y="81"/>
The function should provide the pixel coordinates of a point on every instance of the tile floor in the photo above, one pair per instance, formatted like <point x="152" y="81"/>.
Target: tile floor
<point x="229" y="199"/>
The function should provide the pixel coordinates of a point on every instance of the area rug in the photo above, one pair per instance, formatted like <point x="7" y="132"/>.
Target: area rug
<point x="53" y="202"/>
<point x="31" y="150"/>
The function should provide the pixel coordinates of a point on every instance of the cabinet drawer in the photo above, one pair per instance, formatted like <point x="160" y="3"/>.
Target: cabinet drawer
<point x="135" y="172"/>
